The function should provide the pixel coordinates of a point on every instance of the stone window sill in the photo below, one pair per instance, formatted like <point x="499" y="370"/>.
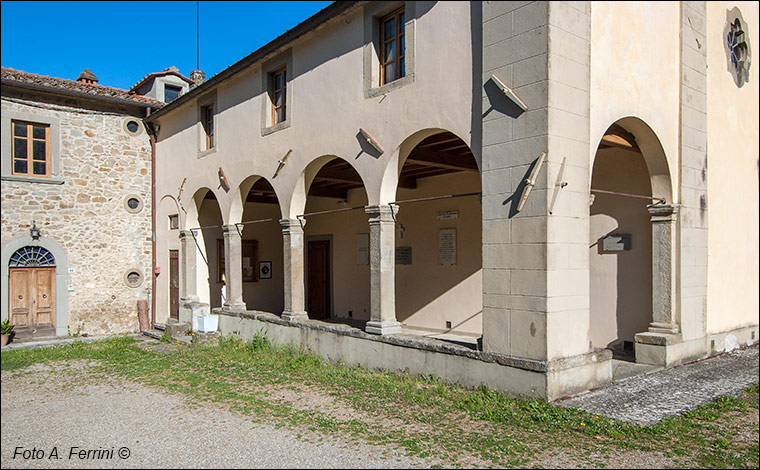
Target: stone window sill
<point x="277" y="127"/>
<point x="31" y="179"/>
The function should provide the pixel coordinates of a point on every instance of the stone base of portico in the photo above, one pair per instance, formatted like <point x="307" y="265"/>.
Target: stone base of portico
<point x="667" y="350"/>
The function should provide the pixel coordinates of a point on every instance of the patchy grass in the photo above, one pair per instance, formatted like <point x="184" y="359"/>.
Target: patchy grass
<point x="448" y="424"/>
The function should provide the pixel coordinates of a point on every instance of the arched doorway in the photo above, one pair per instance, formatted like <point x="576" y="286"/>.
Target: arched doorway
<point x="32" y="292"/>
<point x="630" y="186"/>
<point x="438" y="266"/>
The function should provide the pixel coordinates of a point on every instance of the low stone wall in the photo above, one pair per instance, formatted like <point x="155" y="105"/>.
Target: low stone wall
<point x="425" y="356"/>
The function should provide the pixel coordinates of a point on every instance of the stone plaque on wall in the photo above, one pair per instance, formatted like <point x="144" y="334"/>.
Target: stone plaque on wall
<point x="362" y="249"/>
<point x="403" y="255"/>
<point x="447" y="246"/>
<point x="447" y="215"/>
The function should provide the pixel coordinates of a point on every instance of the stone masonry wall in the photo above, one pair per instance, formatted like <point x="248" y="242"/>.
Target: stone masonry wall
<point x="101" y="164"/>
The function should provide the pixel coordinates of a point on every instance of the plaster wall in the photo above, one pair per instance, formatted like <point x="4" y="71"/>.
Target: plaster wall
<point x="429" y="294"/>
<point x="635" y="72"/>
<point x="169" y="240"/>
<point x="732" y="178"/>
<point x="327" y="107"/>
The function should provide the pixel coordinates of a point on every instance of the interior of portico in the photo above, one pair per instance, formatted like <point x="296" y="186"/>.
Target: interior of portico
<point x="627" y="284"/>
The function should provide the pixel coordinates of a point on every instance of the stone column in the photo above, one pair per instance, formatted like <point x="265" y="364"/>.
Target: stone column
<point x="382" y="318"/>
<point x="293" y="267"/>
<point x="233" y="269"/>
<point x="188" y="285"/>
<point x="664" y="218"/>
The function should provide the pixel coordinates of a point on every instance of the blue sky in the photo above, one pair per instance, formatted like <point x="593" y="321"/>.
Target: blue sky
<point x="121" y="42"/>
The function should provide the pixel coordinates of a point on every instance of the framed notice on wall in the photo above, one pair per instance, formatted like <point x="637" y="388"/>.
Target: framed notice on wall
<point x="447" y="246"/>
<point x="265" y="270"/>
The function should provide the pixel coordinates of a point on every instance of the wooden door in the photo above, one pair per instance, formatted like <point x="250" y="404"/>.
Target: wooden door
<point x="174" y="284"/>
<point x="20" y="300"/>
<point x="32" y="297"/>
<point x="318" y="305"/>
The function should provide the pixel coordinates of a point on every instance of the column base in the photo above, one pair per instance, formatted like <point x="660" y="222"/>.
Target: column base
<point x="380" y="328"/>
<point x="663" y="328"/>
<point x="667" y="350"/>
<point x="235" y="307"/>
<point x="295" y="316"/>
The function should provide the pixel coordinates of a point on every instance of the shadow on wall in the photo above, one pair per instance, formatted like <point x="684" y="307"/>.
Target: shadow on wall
<point x="620" y="279"/>
<point x="210" y="216"/>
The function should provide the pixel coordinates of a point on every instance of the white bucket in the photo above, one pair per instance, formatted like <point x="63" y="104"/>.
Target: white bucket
<point x="208" y="323"/>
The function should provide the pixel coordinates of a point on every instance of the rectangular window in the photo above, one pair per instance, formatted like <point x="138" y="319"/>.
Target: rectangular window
<point x="392" y="47"/>
<point x="171" y="93"/>
<point x="207" y="120"/>
<point x="174" y="222"/>
<point x="31" y="156"/>
<point x="279" y="98"/>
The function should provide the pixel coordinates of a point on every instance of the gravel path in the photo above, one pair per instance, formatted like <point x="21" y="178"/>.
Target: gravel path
<point x="649" y="398"/>
<point x="46" y="409"/>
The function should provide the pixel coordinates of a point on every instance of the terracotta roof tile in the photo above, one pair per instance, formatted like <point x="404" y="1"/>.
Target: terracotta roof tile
<point x="63" y="84"/>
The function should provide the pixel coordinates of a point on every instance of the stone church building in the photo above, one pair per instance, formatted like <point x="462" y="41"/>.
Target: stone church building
<point x="507" y="193"/>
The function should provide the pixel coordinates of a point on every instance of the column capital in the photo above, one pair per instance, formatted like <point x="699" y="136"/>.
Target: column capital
<point x="664" y="212"/>
<point x="381" y="213"/>
<point x="186" y="233"/>
<point x="231" y="229"/>
<point x="291" y="226"/>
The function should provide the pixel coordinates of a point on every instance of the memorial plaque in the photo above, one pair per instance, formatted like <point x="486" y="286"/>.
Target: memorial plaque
<point x="447" y="246"/>
<point x="362" y="249"/>
<point x="447" y="215"/>
<point x="403" y="255"/>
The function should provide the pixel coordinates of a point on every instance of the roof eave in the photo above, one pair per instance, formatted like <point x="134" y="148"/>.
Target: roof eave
<point x="76" y="94"/>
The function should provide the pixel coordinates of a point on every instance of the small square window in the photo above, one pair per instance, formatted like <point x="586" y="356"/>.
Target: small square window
<point x="31" y="153"/>
<point x="171" y="93"/>
<point x="174" y="222"/>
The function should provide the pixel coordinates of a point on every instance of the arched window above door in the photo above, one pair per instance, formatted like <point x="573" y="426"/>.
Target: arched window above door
<point x="31" y="257"/>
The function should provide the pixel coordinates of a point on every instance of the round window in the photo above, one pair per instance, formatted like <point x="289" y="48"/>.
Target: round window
<point x="133" y="277"/>
<point x="133" y="203"/>
<point x="133" y="127"/>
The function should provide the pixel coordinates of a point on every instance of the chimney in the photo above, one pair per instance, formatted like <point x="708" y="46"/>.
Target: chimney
<point x="87" y="77"/>
<point x="198" y="77"/>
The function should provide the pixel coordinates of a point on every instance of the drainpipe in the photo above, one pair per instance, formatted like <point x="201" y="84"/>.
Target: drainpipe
<point x="152" y="135"/>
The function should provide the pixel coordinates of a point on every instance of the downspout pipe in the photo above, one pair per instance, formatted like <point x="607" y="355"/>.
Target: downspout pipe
<point x="152" y="134"/>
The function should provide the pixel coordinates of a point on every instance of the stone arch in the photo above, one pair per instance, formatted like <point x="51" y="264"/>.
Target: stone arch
<point x="650" y="147"/>
<point x="61" y="277"/>
<point x="237" y="204"/>
<point x="166" y="240"/>
<point x="306" y="178"/>
<point x="398" y="159"/>
<point x="203" y="240"/>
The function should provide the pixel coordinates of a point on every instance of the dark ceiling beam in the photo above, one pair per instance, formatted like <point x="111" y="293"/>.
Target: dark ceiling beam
<point x="264" y="199"/>
<point x="326" y="192"/>
<point x="436" y="140"/>
<point x="442" y="160"/>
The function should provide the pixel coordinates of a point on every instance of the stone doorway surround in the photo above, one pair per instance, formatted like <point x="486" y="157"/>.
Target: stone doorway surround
<point x="61" y="278"/>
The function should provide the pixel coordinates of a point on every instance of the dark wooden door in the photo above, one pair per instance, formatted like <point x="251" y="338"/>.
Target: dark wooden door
<point x="32" y="297"/>
<point x="318" y="304"/>
<point x="174" y="284"/>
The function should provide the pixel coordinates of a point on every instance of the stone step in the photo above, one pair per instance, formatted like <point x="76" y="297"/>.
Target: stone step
<point x="159" y="326"/>
<point x="155" y="334"/>
<point x="177" y="329"/>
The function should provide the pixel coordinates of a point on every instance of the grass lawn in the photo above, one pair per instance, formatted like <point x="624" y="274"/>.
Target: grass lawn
<point x="450" y="425"/>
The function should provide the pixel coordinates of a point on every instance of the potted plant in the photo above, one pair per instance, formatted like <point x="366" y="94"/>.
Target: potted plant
<point x="6" y="327"/>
